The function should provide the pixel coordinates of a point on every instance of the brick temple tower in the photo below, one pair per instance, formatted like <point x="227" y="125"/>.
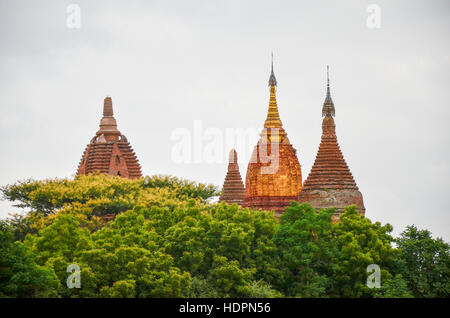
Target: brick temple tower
<point x="274" y="176"/>
<point x="109" y="151"/>
<point x="330" y="182"/>
<point x="233" y="187"/>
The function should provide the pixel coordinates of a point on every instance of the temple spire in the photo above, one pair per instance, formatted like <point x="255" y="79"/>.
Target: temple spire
<point x="273" y="117"/>
<point x="108" y="122"/>
<point x="274" y="176"/>
<point x="109" y="151"/>
<point x="272" y="78"/>
<point x="107" y="107"/>
<point x="273" y="127"/>
<point x="328" y="105"/>
<point x="233" y="187"/>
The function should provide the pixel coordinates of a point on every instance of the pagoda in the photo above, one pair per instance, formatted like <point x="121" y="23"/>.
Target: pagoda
<point x="274" y="175"/>
<point x="330" y="182"/>
<point x="233" y="187"/>
<point x="109" y="151"/>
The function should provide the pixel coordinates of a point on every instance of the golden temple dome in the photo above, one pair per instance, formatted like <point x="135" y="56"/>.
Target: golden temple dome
<point x="274" y="175"/>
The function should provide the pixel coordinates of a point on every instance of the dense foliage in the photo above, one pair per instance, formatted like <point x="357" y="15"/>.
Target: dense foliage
<point x="166" y="239"/>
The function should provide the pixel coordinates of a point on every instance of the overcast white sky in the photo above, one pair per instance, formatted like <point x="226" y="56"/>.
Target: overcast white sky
<point x="168" y="63"/>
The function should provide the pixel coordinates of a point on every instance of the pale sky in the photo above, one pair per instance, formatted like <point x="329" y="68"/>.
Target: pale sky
<point x="167" y="64"/>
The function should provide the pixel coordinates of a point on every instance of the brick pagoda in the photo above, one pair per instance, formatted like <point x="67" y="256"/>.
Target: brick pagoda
<point x="274" y="176"/>
<point x="233" y="187"/>
<point x="109" y="151"/>
<point x="330" y="182"/>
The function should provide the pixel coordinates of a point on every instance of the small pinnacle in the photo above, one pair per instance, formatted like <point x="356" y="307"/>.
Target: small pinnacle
<point x="328" y="105"/>
<point x="232" y="158"/>
<point x="272" y="79"/>
<point x="107" y="107"/>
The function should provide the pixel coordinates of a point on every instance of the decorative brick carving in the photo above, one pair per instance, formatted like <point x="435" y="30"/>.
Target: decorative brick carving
<point x="109" y="151"/>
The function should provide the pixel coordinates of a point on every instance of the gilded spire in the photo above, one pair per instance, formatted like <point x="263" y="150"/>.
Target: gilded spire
<point x="273" y="120"/>
<point x="108" y="122"/>
<point x="328" y="105"/>
<point x="273" y="117"/>
<point x="274" y="176"/>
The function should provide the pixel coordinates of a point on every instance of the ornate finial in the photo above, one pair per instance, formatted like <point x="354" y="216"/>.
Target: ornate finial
<point x="328" y="105"/>
<point x="328" y="76"/>
<point x="272" y="79"/>
<point x="107" y="107"/>
<point x="108" y="122"/>
<point x="232" y="157"/>
<point x="273" y="117"/>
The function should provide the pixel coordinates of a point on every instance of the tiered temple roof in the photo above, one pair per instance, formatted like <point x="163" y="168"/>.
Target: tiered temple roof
<point x="274" y="175"/>
<point x="233" y="187"/>
<point x="330" y="182"/>
<point x="109" y="151"/>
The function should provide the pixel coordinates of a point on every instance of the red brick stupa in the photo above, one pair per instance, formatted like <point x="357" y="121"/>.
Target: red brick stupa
<point x="109" y="151"/>
<point x="274" y="176"/>
<point x="330" y="182"/>
<point x="233" y="187"/>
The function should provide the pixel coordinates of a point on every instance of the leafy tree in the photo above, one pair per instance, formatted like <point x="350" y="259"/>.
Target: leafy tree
<point x="120" y="253"/>
<point x="20" y="225"/>
<point x="229" y="279"/>
<point x="395" y="287"/>
<point x="20" y="276"/>
<point x="120" y="289"/>
<point x="359" y="243"/>
<point x="93" y="196"/>
<point x="424" y="263"/>
<point x="198" y="237"/>
<point x="261" y="289"/>
<point x="104" y="193"/>
<point x="63" y="238"/>
<point x="183" y="188"/>
<point x="153" y="273"/>
<point x="167" y="240"/>
<point x="201" y="233"/>
<point x="304" y="242"/>
<point x="201" y="288"/>
<point x="59" y="266"/>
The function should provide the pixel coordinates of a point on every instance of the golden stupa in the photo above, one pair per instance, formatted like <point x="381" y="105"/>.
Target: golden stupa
<point x="274" y="176"/>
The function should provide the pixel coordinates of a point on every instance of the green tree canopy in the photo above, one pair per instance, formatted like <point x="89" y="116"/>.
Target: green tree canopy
<point x="20" y="276"/>
<point x="424" y="263"/>
<point x="359" y="243"/>
<point x="304" y="243"/>
<point x="166" y="239"/>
